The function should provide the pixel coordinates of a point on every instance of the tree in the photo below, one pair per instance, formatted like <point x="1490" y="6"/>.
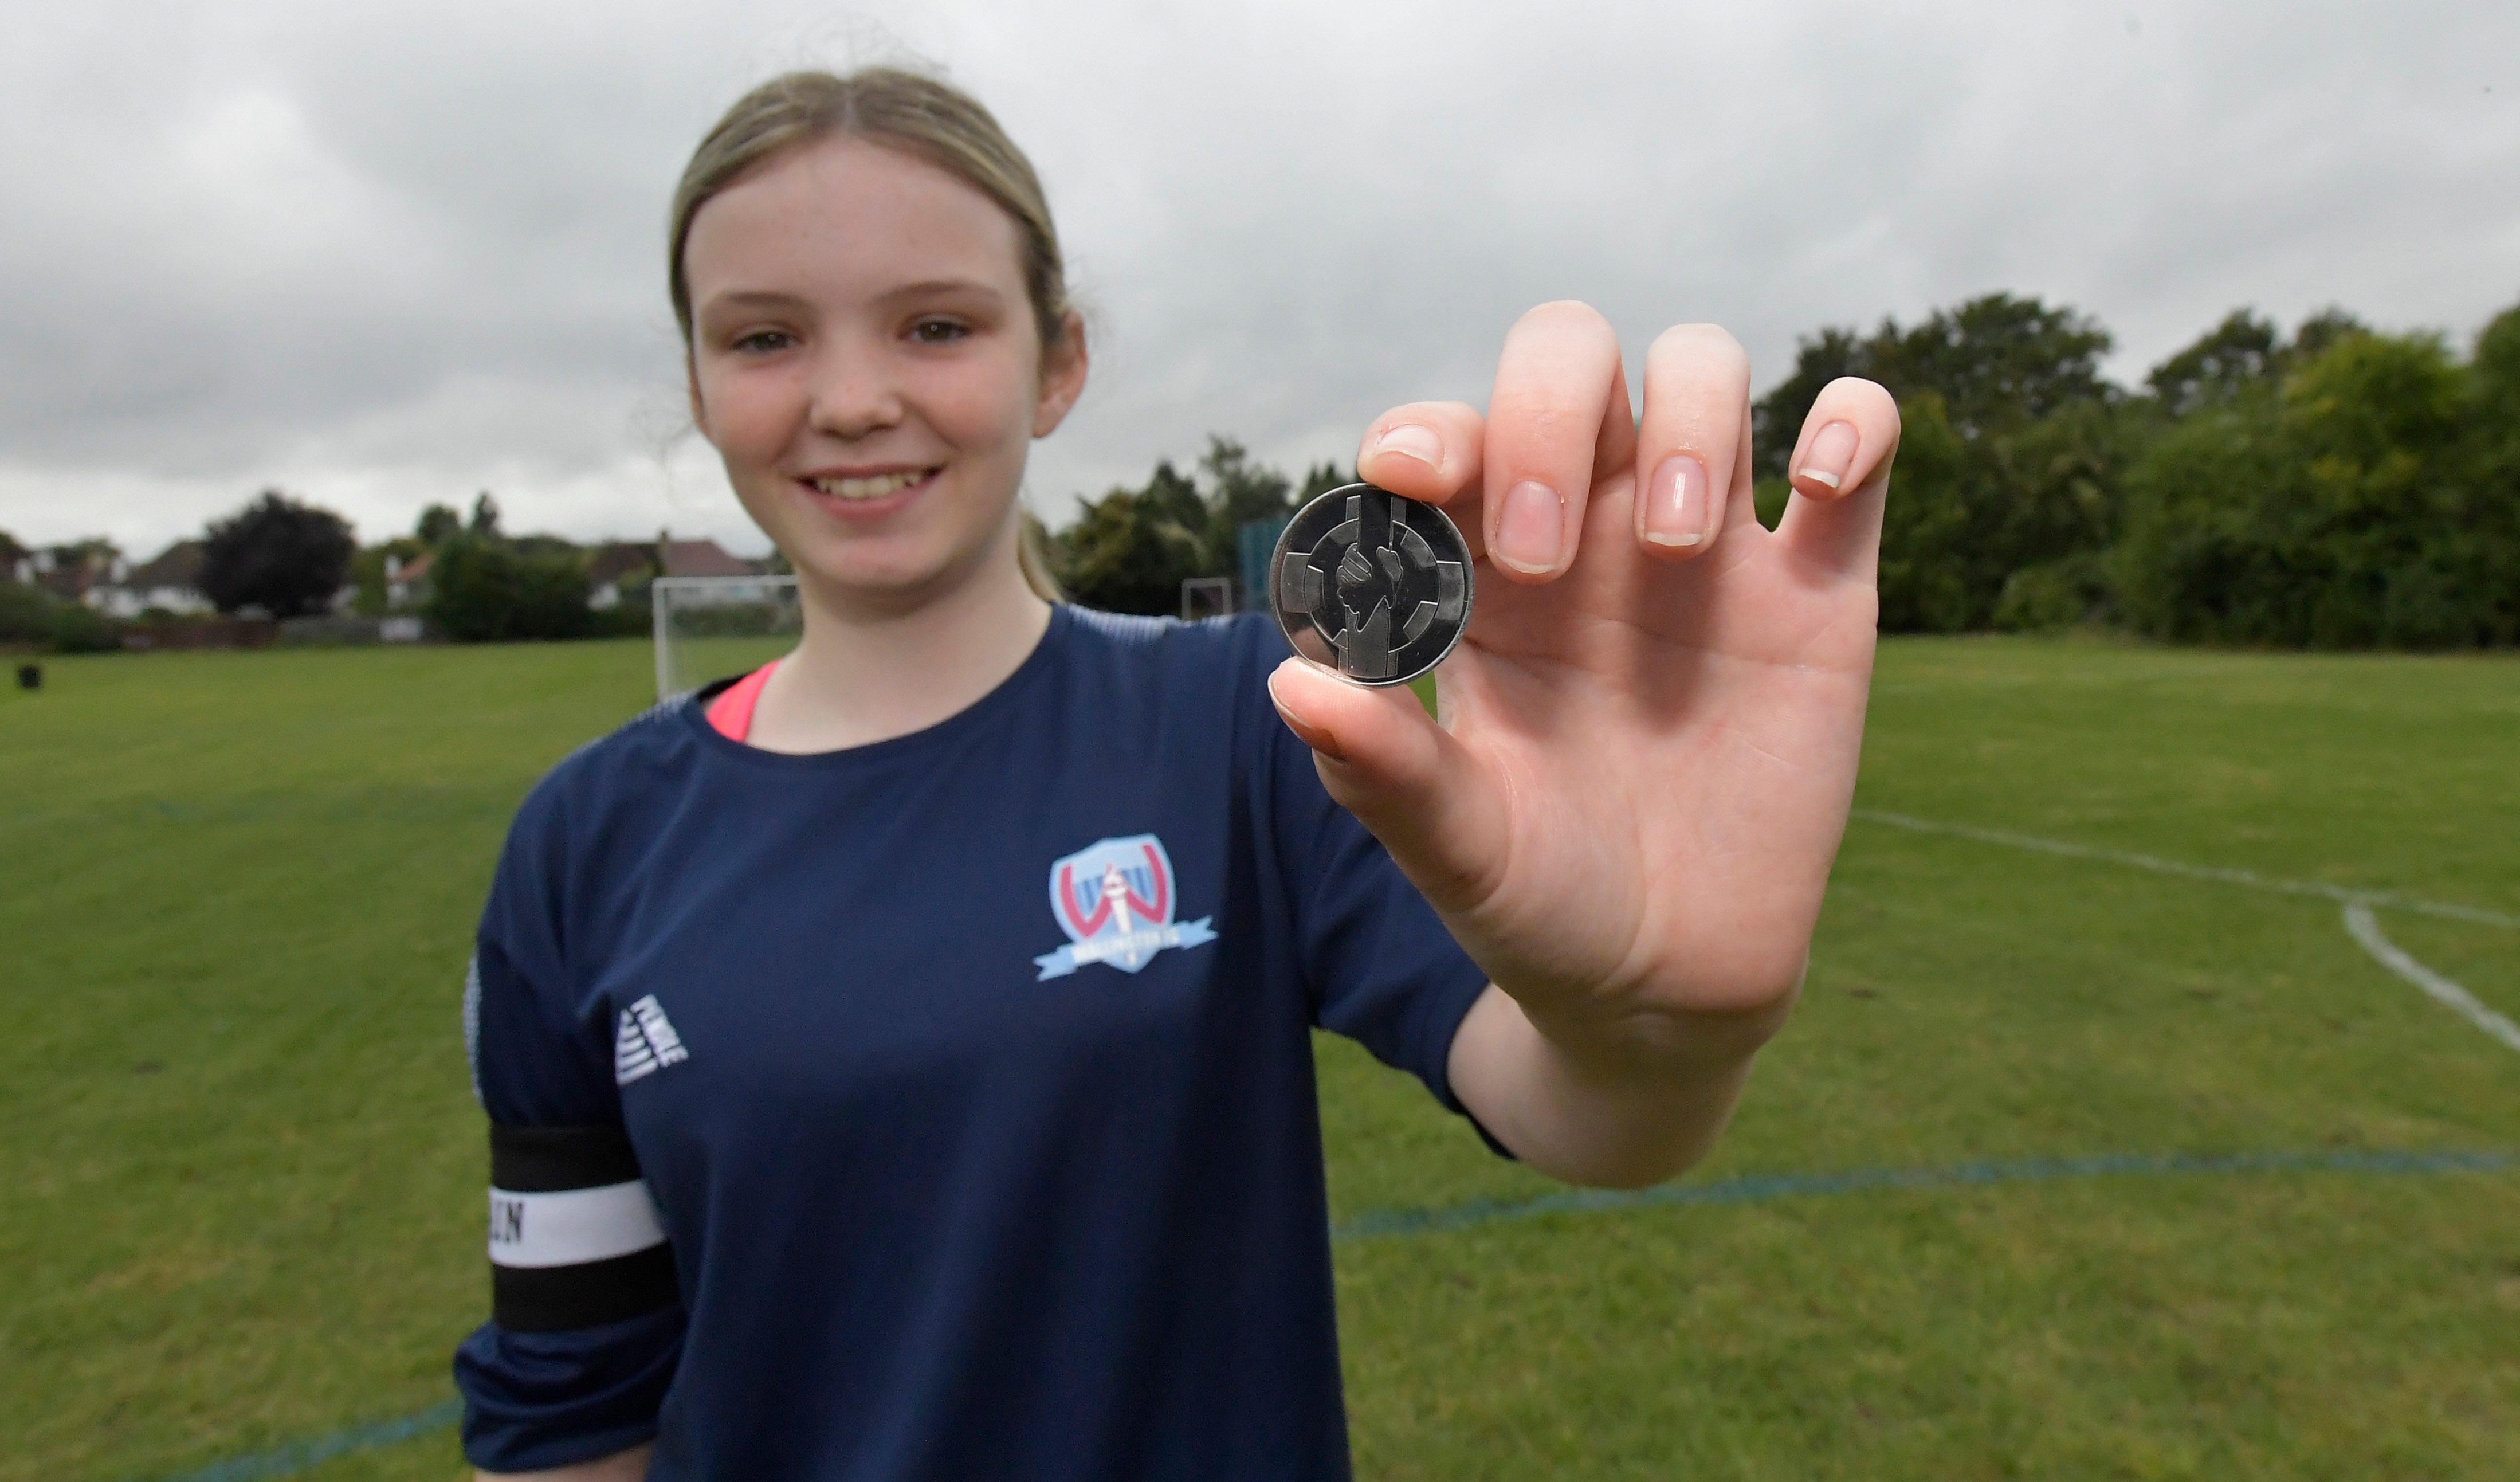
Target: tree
<point x="25" y="614"/>
<point x="2492" y="460"/>
<point x="2240" y="352"/>
<point x="1131" y="550"/>
<point x="2496" y="363"/>
<point x="33" y="616"/>
<point x="2322" y="330"/>
<point x="2342" y="510"/>
<point x="485" y="516"/>
<point x="284" y="558"/>
<point x="2008" y="470"/>
<point x="1777" y="419"/>
<point x="1996" y="362"/>
<point x="92" y="553"/>
<point x="1320" y="479"/>
<point x="1238" y="493"/>
<point x="368" y="571"/>
<point x="438" y="524"/>
<point x="2007" y="531"/>
<point x="482" y="590"/>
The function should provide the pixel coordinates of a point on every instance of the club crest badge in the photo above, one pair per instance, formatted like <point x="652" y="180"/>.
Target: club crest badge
<point x="1115" y="900"/>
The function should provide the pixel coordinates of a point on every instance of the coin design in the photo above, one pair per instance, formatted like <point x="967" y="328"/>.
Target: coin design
<point x="1370" y="584"/>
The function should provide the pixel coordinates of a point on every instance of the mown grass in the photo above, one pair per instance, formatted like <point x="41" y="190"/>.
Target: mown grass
<point x="244" y="1168"/>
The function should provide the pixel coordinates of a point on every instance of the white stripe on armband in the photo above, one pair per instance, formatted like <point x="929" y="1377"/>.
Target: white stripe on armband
<point x="572" y="1226"/>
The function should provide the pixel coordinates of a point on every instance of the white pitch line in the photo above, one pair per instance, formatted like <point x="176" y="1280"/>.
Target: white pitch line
<point x="2367" y="930"/>
<point x="2343" y="894"/>
<point x="2358" y="919"/>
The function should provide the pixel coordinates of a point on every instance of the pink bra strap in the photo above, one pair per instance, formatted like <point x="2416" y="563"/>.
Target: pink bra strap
<point x="730" y="713"/>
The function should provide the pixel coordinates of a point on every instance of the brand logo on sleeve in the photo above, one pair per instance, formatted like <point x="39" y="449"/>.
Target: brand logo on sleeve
<point x="1115" y="900"/>
<point x="644" y="1042"/>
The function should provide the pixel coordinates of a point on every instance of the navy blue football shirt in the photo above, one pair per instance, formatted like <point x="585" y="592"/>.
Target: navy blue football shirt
<point x="943" y="1108"/>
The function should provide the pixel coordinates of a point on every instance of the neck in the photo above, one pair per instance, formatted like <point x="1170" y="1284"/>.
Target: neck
<point x="867" y="672"/>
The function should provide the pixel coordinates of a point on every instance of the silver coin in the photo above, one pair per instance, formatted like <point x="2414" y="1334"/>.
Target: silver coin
<point x="1372" y="585"/>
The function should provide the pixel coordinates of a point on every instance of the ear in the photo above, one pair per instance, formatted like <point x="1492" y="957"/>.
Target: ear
<point x="1062" y="377"/>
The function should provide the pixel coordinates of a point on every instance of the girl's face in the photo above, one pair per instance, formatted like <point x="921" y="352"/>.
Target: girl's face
<point x="864" y="359"/>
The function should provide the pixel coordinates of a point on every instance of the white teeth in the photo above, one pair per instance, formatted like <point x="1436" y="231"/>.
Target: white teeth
<point x="870" y="489"/>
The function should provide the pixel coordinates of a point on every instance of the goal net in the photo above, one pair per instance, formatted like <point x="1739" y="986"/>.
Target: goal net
<point x="712" y="627"/>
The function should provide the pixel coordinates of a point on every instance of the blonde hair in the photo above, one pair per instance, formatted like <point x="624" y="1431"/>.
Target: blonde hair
<point x="922" y="117"/>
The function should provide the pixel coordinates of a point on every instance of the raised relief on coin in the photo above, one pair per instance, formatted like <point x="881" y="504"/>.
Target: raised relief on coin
<point x="1370" y="584"/>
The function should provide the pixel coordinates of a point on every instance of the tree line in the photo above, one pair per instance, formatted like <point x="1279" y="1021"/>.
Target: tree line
<point x="487" y="586"/>
<point x="2335" y="487"/>
<point x="279" y="558"/>
<point x="2331" y="487"/>
<point x="1131" y="550"/>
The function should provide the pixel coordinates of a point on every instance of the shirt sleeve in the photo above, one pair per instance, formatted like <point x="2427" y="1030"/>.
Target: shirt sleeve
<point x="1378" y="962"/>
<point x="586" y="1324"/>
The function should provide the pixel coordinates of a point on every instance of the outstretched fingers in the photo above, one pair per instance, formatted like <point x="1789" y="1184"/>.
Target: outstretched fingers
<point x="1840" y="472"/>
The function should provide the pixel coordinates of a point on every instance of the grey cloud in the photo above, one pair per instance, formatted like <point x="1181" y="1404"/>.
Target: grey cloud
<point x="389" y="255"/>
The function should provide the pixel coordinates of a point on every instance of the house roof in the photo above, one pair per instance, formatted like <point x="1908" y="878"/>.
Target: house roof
<point x="704" y="558"/>
<point x="616" y="558"/>
<point x="74" y="571"/>
<point x="414" y="570"/>
<point x="178" y="566"/>
<point x="70" y="583"/>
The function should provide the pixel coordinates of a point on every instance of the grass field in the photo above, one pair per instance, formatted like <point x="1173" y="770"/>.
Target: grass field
<point x="243" y="1170"/>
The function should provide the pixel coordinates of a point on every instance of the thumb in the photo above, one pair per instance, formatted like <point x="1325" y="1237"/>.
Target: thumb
<point x="1422" y="792"/>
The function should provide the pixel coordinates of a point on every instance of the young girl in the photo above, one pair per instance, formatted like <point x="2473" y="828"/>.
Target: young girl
<point x="897" y="1061"/>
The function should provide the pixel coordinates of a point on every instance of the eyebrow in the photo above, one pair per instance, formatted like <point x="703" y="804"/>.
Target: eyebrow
<point x="744" y="301"/>
<point x="772" y="298"/>
<point x="942" y="286"/>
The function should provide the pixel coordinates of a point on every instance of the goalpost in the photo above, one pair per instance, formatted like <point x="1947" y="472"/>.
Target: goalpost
<point x="712" y="627"/>
<point x="1207" y="597"/>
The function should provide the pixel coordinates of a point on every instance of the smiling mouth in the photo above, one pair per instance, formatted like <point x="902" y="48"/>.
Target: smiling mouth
<point x="859" y="490"/>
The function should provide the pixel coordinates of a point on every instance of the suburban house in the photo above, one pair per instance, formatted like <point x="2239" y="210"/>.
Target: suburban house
<point x="407" y="581"/>
<point x="171" y="582"/>
<point x="618" y="565"/>
<point x="73" y="573"/>
<point x="615" y="567"/>
<point x="704" y="558"/>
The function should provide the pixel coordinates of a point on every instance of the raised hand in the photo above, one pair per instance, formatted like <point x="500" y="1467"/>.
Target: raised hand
<point x="1649" y="733"/>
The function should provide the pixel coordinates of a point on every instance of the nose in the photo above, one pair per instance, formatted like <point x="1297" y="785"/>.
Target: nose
<point x="855" y="392"/>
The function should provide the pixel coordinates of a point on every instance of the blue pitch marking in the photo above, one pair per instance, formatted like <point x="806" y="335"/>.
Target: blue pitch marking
<point x="1748" y="1188"/>
<point x="298" y="1456"/>
<point x="1753" y="1188"/>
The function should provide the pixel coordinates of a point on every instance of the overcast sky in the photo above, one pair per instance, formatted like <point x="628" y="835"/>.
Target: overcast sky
<point x="381" y="255"/>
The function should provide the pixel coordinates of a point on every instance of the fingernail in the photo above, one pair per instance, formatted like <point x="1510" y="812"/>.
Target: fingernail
<point x="1833" y="451"/>
<point x="1313" y="736"/>
<point x="1531" y="528"/>
<point x="1676" y="502"/>
<point x="1410" y="440"/>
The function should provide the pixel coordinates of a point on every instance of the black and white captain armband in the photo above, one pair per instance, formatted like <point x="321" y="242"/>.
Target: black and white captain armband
<point x="574" y="1238"/>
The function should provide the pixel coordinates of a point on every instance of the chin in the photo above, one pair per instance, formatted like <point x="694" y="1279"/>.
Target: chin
<point x="887" y="576"/>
